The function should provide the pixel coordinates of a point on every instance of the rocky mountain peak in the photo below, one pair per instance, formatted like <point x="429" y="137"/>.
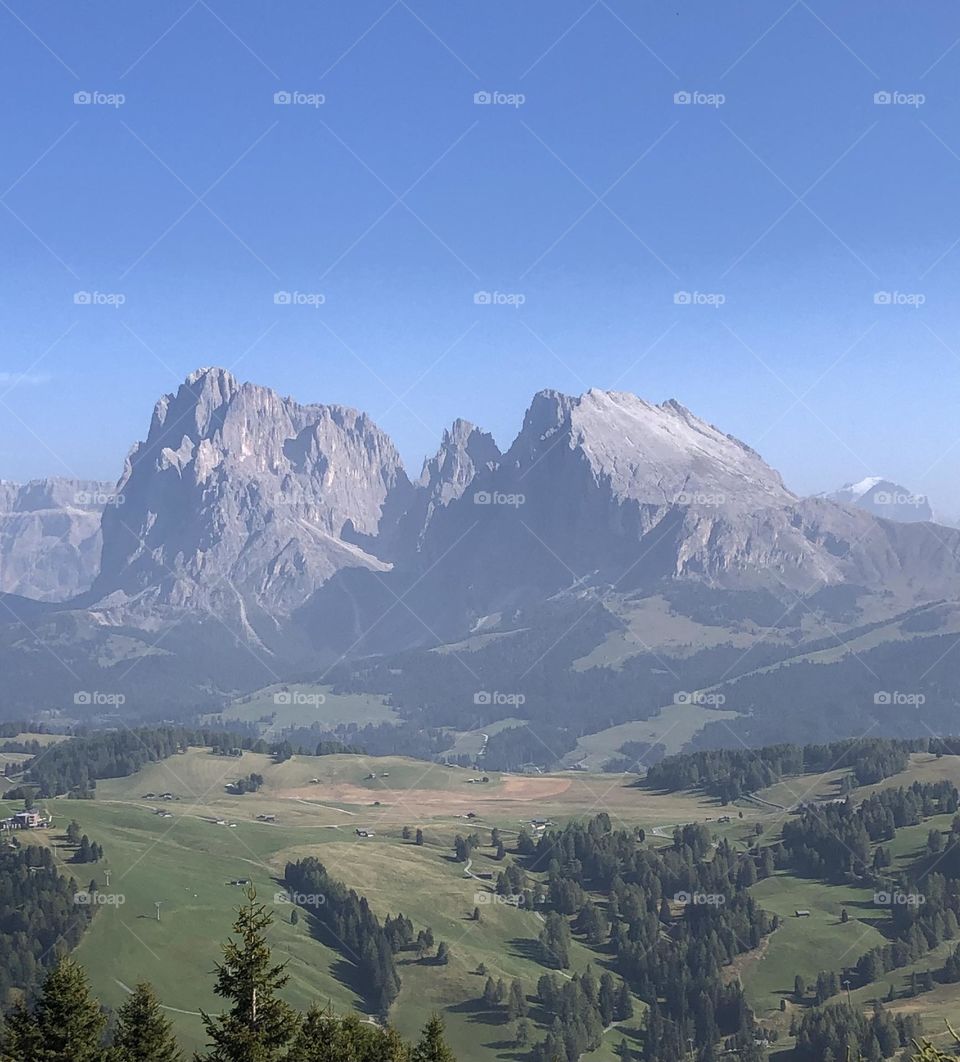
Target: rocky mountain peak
<point x="646" y="452"/>
<point x="244" y="499"/>
<point x="884" y="498"/>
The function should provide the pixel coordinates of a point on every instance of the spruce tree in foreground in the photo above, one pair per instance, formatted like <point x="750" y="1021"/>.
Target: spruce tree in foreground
<point x="65" y="1025"/>
<point x="143" y="1034"/>
<point x="432" y="1047"/>
<point x="259" y="1025"/>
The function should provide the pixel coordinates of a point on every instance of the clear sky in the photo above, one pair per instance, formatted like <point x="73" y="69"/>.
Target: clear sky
<point x="578" y="190"/>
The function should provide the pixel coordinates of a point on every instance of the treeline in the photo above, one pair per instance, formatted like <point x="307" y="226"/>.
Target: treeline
<point x="834" y="841"/>
<point x="74" y="766"/>
<point x="39" y="919"/>
<point x="353" y="927"/>
<point x="65" y="1023"/>
<point x="536" y="743"/>
<point x="672" y="918"/>
<point x="835" y="1033"/>
<point x="732" y="773"/>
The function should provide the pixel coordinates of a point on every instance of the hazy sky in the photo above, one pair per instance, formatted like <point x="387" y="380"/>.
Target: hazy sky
<point x="577" y="189"/>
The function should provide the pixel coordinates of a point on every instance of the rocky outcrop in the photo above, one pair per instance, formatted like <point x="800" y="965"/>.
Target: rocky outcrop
<point x="50" y="536"/>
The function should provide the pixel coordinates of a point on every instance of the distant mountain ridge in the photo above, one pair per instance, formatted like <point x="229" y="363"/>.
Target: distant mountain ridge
<point x="50" y="536"/>
<point x="298" y="526"/>
<point x="884" y="498"/>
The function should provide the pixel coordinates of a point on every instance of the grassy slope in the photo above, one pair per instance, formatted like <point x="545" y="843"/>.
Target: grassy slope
<point x="187" y="860"/>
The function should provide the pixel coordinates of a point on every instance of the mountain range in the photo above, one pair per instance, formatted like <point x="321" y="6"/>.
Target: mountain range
<point x="252" y="533"/>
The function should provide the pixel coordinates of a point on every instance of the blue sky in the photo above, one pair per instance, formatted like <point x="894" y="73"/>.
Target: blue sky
<point x="582" y="193"/>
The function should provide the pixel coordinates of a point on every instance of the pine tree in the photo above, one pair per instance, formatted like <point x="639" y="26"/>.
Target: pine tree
<point x="516" y="1002"/>
<point x="143" y="1034"/>
<point x="432" y="1047"/>
<point x="65" y="1025"/>
<point x="258" y="1025"/>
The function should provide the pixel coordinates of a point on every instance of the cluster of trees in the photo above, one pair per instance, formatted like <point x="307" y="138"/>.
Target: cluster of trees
<point x="834" y="840"/>
<point x="67" y="1024"/>
<point x="729" y="773"/>
<point x="249" y="784"/>
<point x="353" y="927"/>
<point x="37" y="912"/>
<point x="670" y="951"/>
<point x="578" y="1011"/>
<point x="835" y="1033"/>
<point x="634" y="757"/>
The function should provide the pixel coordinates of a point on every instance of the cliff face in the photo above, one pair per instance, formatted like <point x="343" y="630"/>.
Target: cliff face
<point x="240" y="501"/>
<point x="50" y="536"/>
